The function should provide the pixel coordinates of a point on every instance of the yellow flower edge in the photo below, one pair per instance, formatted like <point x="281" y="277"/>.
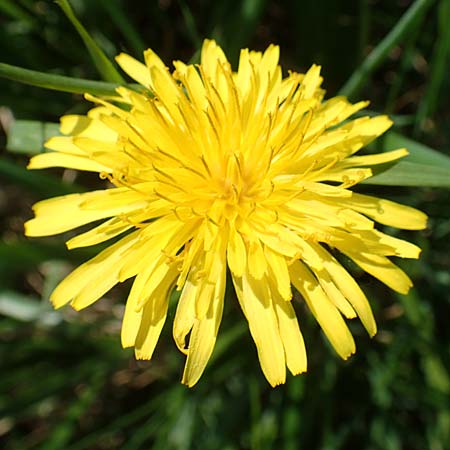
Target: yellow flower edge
<point x="213" y="171"/>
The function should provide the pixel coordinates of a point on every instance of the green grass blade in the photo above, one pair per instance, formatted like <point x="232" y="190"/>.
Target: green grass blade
<point x="402" y="70"/>
<point x="64" y="430"/>
<point x="418" y="153"/>
<point x="407" y="22"/>
<point x="122" y="22"/>
<point x="57" y="82"/>
<point x="189" y="21"/>
<point x="11" y="9"/>
<point x="126" y="420"/>
<point x="439" y="64"/>
<point x="41" y="184"/>
<point x="407" y="173"/>
<point x="104" y="66"/>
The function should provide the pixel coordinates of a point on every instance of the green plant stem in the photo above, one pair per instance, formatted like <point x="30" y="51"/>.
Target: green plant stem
<point x="57" y="82"/>
<point x="408" y="21"/>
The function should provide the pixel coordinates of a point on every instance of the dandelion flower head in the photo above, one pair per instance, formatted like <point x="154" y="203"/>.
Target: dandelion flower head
<point x="213" y="172"/>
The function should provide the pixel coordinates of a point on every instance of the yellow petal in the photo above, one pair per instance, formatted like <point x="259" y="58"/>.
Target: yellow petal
<point x="91" y="280"/>
<point x="154" y="313"/>
<point x="256" y="303"/>
<point x="56" y="159"/>
<point x="387" y="212"/>
<point x="212" y="266"/>
<point x="153" y="60"/>
<point x="134" y="69"/>
<point x="350" y="288"/>
<point x="256" y="260"/>
<point x="64" y="144"/>
<point x="60" y="214"/>
<point x="278" y="273"/>
<point x="236" y="252"/>
<point x="294" y="346"/>
<point x="323" y="310"/>
<point x="84" y="126"/>
<point x="369" y="160"/>
<point x="388" y="245"/>
<point x="130" y="323"/>
<point x="204" y="333"/>
<point x="185" y="313"/>
<point x="334" y="294"/>
<point x="211" y="56"/>
<point x="383" y="269"/>
<point x="107" y="230"/>
<point x="311" y="82"/>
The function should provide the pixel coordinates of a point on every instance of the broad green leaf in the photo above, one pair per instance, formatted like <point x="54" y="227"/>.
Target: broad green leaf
<point x="418" y="153"/>
<point x="57" y="82"/>
<point x="28" y="136"/>
<point x="406" y="173"/>
<point x="104" y="66"/>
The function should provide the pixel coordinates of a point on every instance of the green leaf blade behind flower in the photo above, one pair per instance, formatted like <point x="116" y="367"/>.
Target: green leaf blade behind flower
<point x="42" y="185"/>
<point x="423" y="167"/>
<point x="57" y="82"/>
<point x="406" y="173"/>
<point x="104" y="66"/>
<point x="418" y="153"/>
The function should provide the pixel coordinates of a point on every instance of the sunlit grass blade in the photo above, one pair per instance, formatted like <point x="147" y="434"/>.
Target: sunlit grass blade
<point x="104" y="66"/>
<point x="376" y="57"/>
<point x="56" y="82"/>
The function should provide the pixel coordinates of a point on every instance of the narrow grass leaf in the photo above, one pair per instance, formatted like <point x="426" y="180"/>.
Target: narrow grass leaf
<point x="439" y="67"/>
<point x="57" y="82"/>
<point x="407" y="22"/>
<point x="104" y="66"/>
<point x="40" y="184"/>
<point x="121" y="20"/>
<point x="418" y="153"/>
<point x="10" y="8"/>
<point x="189" y="21"/>
<point x="407" y="173"/>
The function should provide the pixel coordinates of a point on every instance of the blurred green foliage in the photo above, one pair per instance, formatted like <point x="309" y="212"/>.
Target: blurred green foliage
<point x="65" y="383"/>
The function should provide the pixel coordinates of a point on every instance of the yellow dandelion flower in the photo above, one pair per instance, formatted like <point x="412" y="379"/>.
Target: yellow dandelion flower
<point x="215" y="170"/>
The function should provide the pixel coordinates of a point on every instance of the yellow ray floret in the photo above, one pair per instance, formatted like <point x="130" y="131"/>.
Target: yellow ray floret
<point x="215" y="172"/>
